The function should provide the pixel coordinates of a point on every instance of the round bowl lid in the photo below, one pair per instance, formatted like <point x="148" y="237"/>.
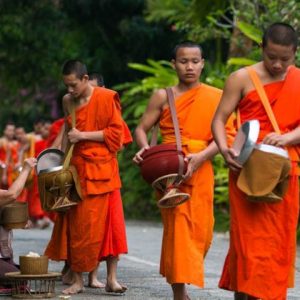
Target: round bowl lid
<point x="245" y="140"/>
<point x="49" y="159"/>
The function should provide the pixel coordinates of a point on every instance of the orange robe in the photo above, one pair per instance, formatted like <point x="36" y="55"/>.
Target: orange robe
<point x="54" y="131"/>
<point x="26" y="192"/>
<point x="261" y="257"/>
<point x="9" y="156"/>
<point x="188" y="228"/>
<point x="34" y="203"/>
<point x="115" y="241"/>
<point x="84" y="225"/>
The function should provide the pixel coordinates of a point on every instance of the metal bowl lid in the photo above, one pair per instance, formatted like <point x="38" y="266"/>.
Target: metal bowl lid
<point x="272" y="149"/>
<point x="53" y="169"/>
<point x="49" y="159"/>
<point x="245" y="140"/>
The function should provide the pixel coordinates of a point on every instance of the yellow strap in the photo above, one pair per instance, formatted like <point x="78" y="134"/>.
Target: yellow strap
<point x="73" y="122"/>
<point x="263" y="97"/>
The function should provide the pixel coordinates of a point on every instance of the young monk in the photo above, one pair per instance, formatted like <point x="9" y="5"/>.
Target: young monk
<point x="261" y="257"/>
<point x="7" y="197"/>
<point x="97" y="138"/>
<point x="115" y="242"/>
<point x="186" y="237"/>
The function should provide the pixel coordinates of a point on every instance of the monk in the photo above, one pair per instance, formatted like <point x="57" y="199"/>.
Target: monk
<point x="261" y="257"/>
<point x="115" y="242"/>
<point x="6" y="253"/>
<point x="8" y="155"/>
<point x="97" y="137"/>
<point x="186" y="236"/>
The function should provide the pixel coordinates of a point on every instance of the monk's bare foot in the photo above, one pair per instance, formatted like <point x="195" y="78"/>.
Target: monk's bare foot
<point x="76" y="287"/>
<point x="95" y="283"/>
<point x="73" y="289"/>
<point x="115" y="287"/>
<point x="68" y="277"/>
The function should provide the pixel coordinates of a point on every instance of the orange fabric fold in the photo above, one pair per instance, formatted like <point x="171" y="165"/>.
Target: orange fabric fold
<point x="8" y="156"/>
<point x="261" y="258"/>
<point x="186" y="236"/>
<point x="34" y="204"/>
<point x="54" y="130"/>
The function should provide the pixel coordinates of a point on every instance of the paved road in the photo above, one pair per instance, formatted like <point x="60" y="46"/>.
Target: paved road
<point x="139" y="269"/>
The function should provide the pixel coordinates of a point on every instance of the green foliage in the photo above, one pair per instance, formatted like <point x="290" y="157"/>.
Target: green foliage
<point x="38" y="36"/>
<point x="195" y="18"/>
<point x="250" y="31"/>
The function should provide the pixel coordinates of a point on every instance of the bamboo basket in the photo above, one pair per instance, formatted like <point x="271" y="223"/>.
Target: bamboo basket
<point x="14" y="215"/>
<point x="33" y="265"/>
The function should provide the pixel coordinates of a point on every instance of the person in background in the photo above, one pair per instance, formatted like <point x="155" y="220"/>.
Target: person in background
<point x="6" y="252"/>
<point x="8" y="155"/>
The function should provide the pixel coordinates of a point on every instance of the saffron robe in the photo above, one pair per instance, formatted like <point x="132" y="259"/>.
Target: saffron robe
<point x="115" y="241"/>
<point x="34" y="204"/>
<point x="261" y="257"/>
<point x="54" y="130"/>
<point x="79" y="234"/>
<point x="9" y="157"/>
<point x="188" y="228"/>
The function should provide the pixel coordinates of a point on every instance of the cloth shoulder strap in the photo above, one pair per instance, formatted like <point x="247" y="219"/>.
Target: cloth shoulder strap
<point x="171" y="102"/>
<point x="263" y="97"/>
<point x="70" y="151"/>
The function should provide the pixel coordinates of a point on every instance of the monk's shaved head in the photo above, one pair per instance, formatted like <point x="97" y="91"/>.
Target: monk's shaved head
<point x="281" y="34"/>
<point x="186" y="44"/>
<point x="75" y="67"/>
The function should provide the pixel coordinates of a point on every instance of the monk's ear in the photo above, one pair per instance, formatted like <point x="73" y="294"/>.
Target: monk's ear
<point x="203" y="62"/>
<point x="85" y="77"/>
<point x="173" y="63"/>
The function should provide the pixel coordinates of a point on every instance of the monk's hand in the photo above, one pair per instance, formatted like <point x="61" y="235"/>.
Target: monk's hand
<point x="138" y="156"/>
<point x="74" y="135"/>
<point x="230" y="156"/>
<point x="194" y="160"/>
<point x="275" y="139"/>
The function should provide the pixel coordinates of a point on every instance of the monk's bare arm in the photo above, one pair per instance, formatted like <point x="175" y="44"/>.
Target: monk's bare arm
<point x="73" y="134"/>
<point x="149" y="119"/>
<point x="76" y="136"/>
<point x="10" y="195"/>
<point x="232" y="94"/>
<point x="58" y="142"/>
<point x="282" y="140"/>
<point x="195" y="160"/>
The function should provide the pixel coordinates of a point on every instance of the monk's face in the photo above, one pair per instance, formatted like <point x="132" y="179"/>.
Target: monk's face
<point x="20" y="134"/>
<point x="188" y="64"/>
<point x="9" y="132"/>
<point x="277" y="58"/>
<point x="76" y="87"/>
